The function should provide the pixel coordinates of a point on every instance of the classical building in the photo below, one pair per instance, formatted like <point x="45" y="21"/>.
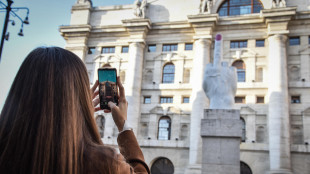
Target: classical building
<point x="160" y="49"/>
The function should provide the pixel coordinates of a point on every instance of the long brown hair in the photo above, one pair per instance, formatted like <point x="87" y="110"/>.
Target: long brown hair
<point x="47" y="119"/>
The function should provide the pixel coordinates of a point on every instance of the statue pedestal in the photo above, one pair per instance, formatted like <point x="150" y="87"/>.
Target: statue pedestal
<point x="221" y="135"/>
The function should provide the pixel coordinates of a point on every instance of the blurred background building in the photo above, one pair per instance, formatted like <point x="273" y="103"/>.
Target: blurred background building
<point x="160" y="49"/>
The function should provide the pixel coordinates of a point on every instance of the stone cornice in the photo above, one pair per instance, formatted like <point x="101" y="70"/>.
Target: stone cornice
<point x="137" y="28"/>
<point x="203" y="24"/>
<point x="75" y="29"/>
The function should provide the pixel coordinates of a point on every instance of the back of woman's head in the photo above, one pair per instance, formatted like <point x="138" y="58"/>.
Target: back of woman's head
<point x="47" y="117"/>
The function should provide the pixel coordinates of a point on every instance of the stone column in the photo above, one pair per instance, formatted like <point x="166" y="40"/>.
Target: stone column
<point x="278" y="117"/>
<point x="133" y="83"/>
<point x="198" y="100"/>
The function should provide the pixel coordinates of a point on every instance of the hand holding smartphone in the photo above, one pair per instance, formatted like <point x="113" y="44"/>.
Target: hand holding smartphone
<point x="108" y="90"/>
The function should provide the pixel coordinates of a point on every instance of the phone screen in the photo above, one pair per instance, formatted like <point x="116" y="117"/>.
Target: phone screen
<point x="107" y="87"/>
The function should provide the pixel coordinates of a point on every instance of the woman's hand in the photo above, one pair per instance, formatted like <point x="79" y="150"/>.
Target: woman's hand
<point x="95" y="96"/>
<point x="119" y="112"/>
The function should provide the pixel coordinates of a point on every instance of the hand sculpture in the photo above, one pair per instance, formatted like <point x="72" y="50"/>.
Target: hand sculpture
<point x="220" y="80"/>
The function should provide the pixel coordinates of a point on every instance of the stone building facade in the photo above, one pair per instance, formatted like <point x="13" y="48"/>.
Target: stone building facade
<point x="160" y="49"/>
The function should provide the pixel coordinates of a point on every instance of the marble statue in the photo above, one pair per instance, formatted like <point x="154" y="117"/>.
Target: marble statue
<point x="278" y="3"/>
<point x="140" y="8"/>
<point x="205" y="6"/>
<point x="84" y="1"/>
<point x="143" y="8"/>
<point x="136" y="8"/>
<point x="220" y="80"/>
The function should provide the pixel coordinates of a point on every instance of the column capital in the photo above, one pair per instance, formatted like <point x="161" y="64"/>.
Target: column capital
<point x="137" y="28"/>
<point x="137" y="44"/>
<point x="203" y="24"/>
<point x="206" y="41"/>
<point x="277" y="19"/>
<point x="278" y="37"/>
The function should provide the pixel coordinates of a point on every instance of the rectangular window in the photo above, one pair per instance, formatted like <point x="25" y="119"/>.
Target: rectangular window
<point x="295" y="99"/>
<point x="91" y="50"/>
<point x="147" y="100"/>
<point x="294" y="41"/>
<point x="170" y="47"/>
<point x="260" y="99"/>
<point x="239" y="99"/>
<point x="166" y="99"/>
<point x="106" y="50"/>
<point x="239" y="44"/>
<point x="151" y="48"/>
<point x="185" y="99"/>
<point x="188" y="46"/>
<point x="260" y="43"/>
<point x="125" y="49"/>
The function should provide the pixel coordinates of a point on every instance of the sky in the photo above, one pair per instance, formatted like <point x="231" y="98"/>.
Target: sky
<point x="45" y="17"/>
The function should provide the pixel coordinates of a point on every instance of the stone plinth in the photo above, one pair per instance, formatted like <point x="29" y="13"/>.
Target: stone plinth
<point x="221" y="133"/>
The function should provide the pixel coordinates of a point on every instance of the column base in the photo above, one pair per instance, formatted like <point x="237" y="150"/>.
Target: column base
<point x="193" y="169"/>
<point x="280" y="171"/>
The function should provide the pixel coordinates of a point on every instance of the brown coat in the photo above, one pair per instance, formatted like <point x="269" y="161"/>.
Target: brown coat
<point x="103" y="159"/>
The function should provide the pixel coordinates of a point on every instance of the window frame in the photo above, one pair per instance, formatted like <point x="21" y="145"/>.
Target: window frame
<point x="259" y="101"/>
<point x="257" y="44"/>
<point x="166" y="98"/>
<point x="295" y="99"/>
<point x="111" y="50"/>
<point x="148" y="48"/>
<point x="168" y="129"/>
<point x="292" y="42"/>
<point x="169" y="46"/>
<point x="89" y="52"/>
<point x="184" y="98"/>
<point x="242" y="98"/>
<point x="191" y="47"/>
<point x="238" y="42"/>
<point x="125" y="47"/>
<point x="147" y="97"/>
<point x="166" y="74"/>
<point x="229" y="7"/>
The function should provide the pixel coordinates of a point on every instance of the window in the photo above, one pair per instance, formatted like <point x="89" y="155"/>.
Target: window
<point x="162" y="166"/>
<point x="166" y="99"/>
<point x="151" y="48"/>
<point x="168" y="73"/>
<point x="240" y="7"/>
<point x="91" y="50"/>
<point x="260" y="43"/>
<point x="239" y="44"/>
<point x="243" y="130"/>
<point x="260" y="99"/>
<point x="295" y="99"/>
<point x="106" y="50"/>
<point x="170" y="47"/>
<point x="125" y="49"/>
<point x="240" y="65"/>
<point x="185" y="99"/>
<point x="294" y="41"/>
<point x="188" y="46"/>
<point x="147" y="100"/>
<point x="239" y="99"/>
<point x="164" y="128"/>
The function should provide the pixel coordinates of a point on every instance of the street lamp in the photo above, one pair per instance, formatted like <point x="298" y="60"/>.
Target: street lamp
<point x="9" y="10"/>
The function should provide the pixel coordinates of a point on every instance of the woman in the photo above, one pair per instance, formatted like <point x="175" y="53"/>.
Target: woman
<point x="47" y="124"/>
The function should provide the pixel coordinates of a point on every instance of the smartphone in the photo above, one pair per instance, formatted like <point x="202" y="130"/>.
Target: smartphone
<point x="107" y="87"/>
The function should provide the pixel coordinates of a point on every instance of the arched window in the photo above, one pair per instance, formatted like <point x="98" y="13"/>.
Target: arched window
<point x="243" y="130"/>
<point x="162" y="166"/>
<point x="100" y="121"/>
<point x="164" y="128"/>
<point x="168" y="73"/>
<point x="244" y="168"/>
<point x="240" y="7"/>
<point x="240" y="65"/>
